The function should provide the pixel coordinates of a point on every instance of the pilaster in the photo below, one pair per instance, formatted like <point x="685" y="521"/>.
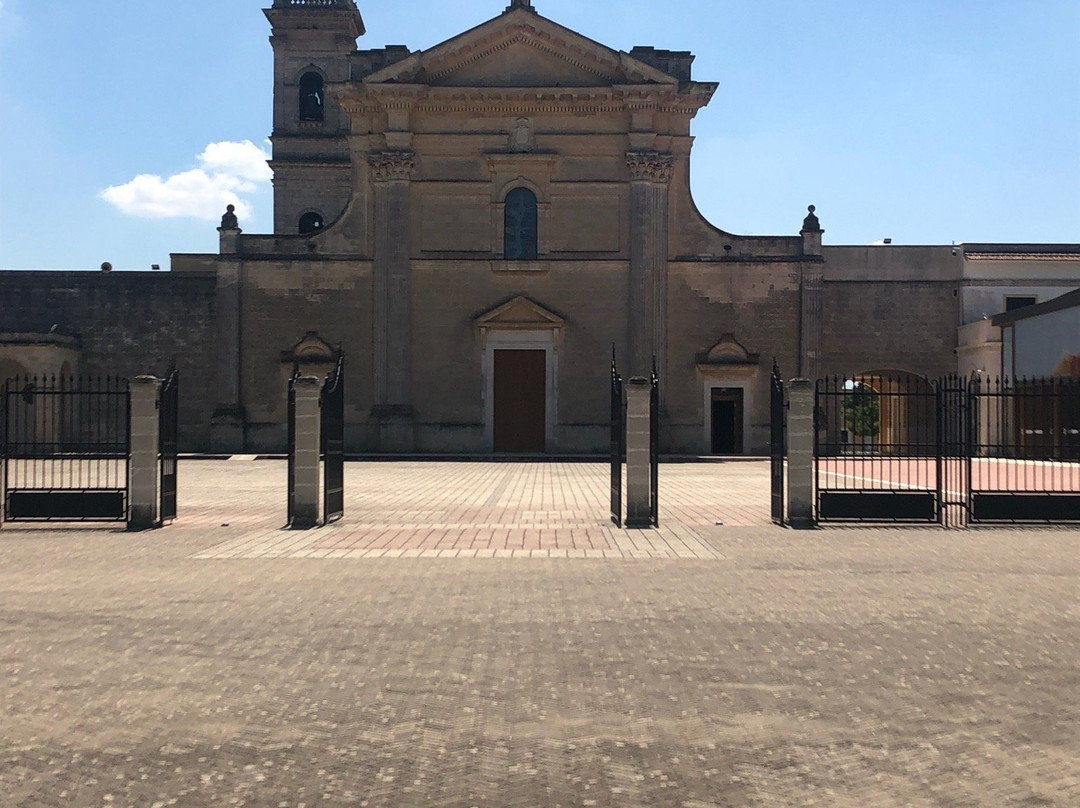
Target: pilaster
<point x="391" y="173"/>
<point x="811" y="297"/>
<point x="650" y="176"/>
<point x="227" y="423"/>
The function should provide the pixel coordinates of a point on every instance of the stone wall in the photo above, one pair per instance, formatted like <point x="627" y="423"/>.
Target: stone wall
<point x="128" y="323"/>
<point x="880" y="326"/>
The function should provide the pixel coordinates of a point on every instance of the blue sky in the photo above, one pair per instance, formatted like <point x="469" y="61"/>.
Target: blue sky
<point x="926" y="122"/>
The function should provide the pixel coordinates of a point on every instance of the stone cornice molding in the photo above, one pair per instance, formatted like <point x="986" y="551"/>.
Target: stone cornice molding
<point x="392" y="166"/>
<point x="358" y="99"/>
<point x="651" y="166"/>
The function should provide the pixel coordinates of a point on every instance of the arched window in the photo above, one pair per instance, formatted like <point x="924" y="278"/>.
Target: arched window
<point x="311" y="222"/>
<point x="519" y="226"/>
<point x="311" y="97"/>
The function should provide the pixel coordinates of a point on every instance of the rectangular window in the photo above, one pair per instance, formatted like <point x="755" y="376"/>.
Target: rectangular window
<point x="1014" y="302"/>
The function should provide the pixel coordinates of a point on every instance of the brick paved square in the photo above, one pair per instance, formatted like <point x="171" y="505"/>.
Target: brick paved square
<point x="759" y="667"/>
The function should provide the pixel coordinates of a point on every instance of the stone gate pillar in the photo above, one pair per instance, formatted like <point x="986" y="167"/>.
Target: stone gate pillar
<point x="801" y="454"/>
<point x="650" y="176"/>
<point x="144" y="475"/>
<point x="391" y="172"/>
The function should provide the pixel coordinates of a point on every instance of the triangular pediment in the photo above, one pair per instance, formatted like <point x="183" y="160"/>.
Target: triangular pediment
<point x="521" y="312"/>
<point x="520" y="49"/>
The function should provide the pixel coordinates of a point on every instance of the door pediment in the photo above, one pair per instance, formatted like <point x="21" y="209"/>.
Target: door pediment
<point x="520" y="313"/>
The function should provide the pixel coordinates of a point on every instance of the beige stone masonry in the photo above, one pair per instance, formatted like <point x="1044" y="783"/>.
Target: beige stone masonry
<point x="305" y="468"/>
<point x="801" y="454"/>
<point x="143" y="474"/>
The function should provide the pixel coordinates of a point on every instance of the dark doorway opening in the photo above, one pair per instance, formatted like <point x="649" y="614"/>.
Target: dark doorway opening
<point x="727" y="420"/>
<point x="520" y="405"/>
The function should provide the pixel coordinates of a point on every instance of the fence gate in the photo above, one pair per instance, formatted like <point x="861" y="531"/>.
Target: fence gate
<point x="1024" y="451"/>
<point x="333" y="442"/>
<point x="168" y="423"/>
<point x="777" y="423"/>
<point x="654" y="446"/>
<point x="618" y="440"/>
<point x="291" y="497"/>
<point x="65" y="448"/>
<point x="877" y="449"/>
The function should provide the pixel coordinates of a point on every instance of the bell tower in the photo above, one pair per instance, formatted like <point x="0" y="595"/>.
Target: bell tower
<point x="313" y="41"/>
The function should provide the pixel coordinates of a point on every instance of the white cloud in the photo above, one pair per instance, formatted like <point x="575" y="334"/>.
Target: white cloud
<point x="226" y="170"/>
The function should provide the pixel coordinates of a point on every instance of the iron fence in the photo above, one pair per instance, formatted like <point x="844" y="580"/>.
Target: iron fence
<point x="332" y="433"/>
<point x="168" y="424"/>
<point x="777" y="448"/>
<point x="618" y="440"/>
<point x="66" y="448"/>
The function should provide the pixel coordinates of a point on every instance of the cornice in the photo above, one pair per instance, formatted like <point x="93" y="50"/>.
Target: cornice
<point x="356" y="98"/>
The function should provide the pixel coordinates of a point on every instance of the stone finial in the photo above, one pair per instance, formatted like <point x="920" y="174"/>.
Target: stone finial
<point x="810" y="223"/>
<point x="229" y="220"/>
<point x="525" y="4"/>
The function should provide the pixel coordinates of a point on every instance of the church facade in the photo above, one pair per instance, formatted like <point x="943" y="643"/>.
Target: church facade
<point x="477" y="225"/>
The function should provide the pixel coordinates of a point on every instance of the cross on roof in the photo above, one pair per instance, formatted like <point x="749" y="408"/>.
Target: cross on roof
<point x="519" y="4"/>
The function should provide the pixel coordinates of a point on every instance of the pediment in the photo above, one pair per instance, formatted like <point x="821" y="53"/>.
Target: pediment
<point x="520" y="49"/>
<point x="728" y="351"/>
<point x="519" y="313"/>
<point x="311" y="350"/>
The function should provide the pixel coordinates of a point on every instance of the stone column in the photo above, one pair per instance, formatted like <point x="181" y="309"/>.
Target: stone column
<point x="650" y="176"/>
<point x="810" y="321"/>
<point x="305" y="467"/>
<point x="638" y="470"/>
<point x="801" y="454"/>
<point x="227" y="423"/>
<point x="143" y="474"/>
<point x="392" y="327"/>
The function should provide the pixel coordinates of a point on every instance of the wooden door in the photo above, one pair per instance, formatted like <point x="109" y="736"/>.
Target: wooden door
<point x="520" y="406"/>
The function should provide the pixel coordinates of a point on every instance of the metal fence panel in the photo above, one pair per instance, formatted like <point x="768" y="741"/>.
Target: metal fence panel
<point x="618" y="440"/>
<point x="168" y="424"/>
<point x="1024" y="456"/>
<point x="877" y="449"/>
<point x="66" y="448"/>
<point x="777" y="425"/>
<point x="333" y="442"/>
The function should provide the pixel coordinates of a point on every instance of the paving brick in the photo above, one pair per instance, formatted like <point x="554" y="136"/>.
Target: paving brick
<point x="205" y="666"/>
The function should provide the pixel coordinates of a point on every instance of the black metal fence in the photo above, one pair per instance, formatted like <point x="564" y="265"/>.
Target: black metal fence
<point x="291" y="484"/>
<point x="618" y="440"/>
<point x="65" y="448"/>
<point x="777" y="448"/>
<point x="168" y="423"/>
<point x="950" y="451"/>
<point x="877" y="448"/>
<point x="333" y="442"/>
<point x="654" y="446"/>
<point x="1024" y="450"/>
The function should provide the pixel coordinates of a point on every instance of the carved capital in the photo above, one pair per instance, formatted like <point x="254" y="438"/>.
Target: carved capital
<point x="388" y="166"/>
<point x="650" y="166"/>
